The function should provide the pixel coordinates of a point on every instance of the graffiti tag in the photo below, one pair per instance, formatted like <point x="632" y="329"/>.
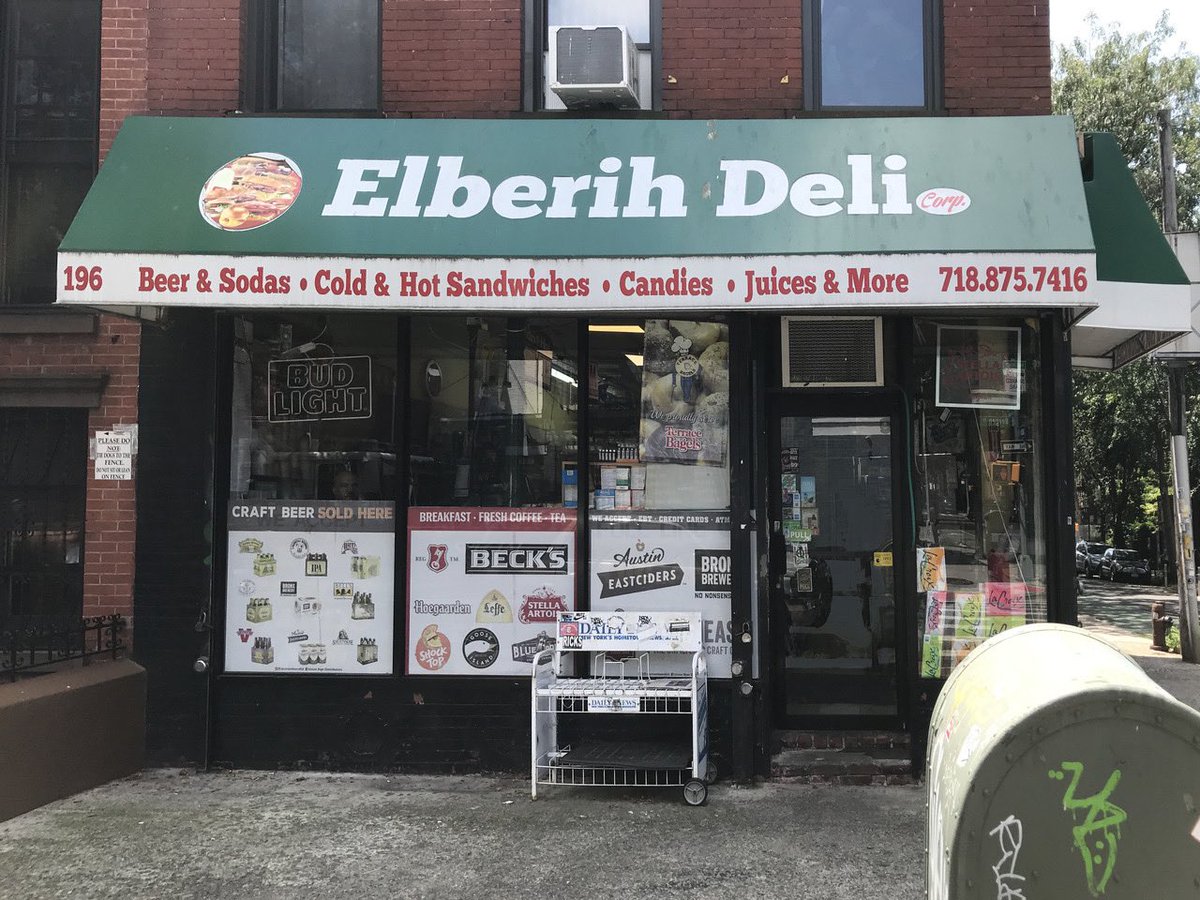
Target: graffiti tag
<point x="1009" y="885"/>
<point x="1097" y="835"/>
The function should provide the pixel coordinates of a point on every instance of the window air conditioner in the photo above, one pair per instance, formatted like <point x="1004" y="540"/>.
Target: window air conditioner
<point x="593" y="67"/>
<point x="832" y="351"/>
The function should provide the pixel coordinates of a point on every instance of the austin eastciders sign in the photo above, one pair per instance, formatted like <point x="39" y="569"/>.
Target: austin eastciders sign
<point x="577" y="215"/>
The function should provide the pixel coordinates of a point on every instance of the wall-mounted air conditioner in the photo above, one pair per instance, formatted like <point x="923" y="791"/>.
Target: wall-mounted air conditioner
<point x="832" y="351"/>
<point x="593" y="67"/>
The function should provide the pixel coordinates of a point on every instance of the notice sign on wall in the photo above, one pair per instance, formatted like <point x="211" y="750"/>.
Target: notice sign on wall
<point x="663" y="561"/>
<point x="485" y="587"/>
<point x="309" y="587"/>
<point x="114" y="456"/>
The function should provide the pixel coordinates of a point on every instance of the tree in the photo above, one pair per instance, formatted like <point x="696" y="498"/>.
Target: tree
<point x="1118" y="83"/>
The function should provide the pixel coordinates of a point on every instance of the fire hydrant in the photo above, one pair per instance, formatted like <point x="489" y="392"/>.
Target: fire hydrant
<point x="1159" y="624"/>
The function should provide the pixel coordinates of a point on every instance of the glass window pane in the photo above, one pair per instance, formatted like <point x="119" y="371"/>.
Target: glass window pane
<point x="313" y="408"/>
<point x="872" y="53"/>
<point x="658" y="479"/>
<point x="53" y="91"/>
<point x="633" y="14"/>
<point x="494" y="407"/>
<point x="328" y="54"/>
<point x="659" y="392"/>
<point x="43" y="465"/>
<point x="981" y="556"/>
<point x="42" y="201"/>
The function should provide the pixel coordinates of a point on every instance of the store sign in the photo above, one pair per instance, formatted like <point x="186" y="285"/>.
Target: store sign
<point x="667" y="560"/>
<point x="485" y="587"/>
<point x="321" y="389"/>
<point x="978" y="367"/>
<point x="309" y="587"/>
<point x="571" y="215"/>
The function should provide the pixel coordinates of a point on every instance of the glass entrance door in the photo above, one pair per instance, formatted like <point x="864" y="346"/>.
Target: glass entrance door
<point x="833" y="593"/>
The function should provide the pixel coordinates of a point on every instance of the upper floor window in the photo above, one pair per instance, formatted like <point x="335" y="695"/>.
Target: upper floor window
<point x="315" y="56"/>
<point x="870" y="54"/>
<point x="49" y="117"/>
<point x="593" y="54"/>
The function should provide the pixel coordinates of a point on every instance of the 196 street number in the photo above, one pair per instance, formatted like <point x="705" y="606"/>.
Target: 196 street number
<point x="82" y="278"/>
<point x="999" y="279"/>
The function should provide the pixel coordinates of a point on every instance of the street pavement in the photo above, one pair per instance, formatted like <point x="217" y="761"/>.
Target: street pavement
<point x="285" y="835"/>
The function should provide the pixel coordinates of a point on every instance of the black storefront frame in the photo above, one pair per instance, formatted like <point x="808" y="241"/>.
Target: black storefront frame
<point x="743" y="729"/>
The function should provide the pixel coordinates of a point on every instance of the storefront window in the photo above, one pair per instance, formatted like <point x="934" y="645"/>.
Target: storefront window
<point x="314" y="407"/>
<point x="978" y="483"/>
<point x="491" y="529"/>
<point x="494" y="407"/>
<point x="658" y="480"/>
<point x="310" y="556"/>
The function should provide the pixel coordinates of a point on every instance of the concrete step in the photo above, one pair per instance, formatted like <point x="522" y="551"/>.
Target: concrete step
<point x="857" y="741"/>
<point x="841" y="767"/>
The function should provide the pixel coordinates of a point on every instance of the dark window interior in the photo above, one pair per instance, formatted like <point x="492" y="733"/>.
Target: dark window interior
<point x="43" y="468"/>
<point x="314" y="56"/>
<point x="49" y="114"/>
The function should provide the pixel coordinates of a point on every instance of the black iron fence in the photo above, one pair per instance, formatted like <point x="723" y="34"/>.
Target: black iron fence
<point x="33" y="646"/>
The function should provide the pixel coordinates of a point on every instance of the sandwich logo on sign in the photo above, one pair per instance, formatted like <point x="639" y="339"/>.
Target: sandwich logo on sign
<point x="437" y="559"/>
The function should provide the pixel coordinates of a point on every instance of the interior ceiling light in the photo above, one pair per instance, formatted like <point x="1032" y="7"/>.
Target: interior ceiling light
<point x="635" y="358"/>
<point x="618" y="329"/>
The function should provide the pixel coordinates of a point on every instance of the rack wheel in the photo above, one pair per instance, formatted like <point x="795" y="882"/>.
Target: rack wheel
<point x="711" y="773"/>
<point x="695" y="792"/>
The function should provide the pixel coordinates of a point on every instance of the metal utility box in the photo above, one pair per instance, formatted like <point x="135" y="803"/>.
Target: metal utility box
<point x="1058" y="769"/>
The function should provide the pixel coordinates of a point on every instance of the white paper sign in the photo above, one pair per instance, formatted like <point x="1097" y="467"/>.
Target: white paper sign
<point x="667" y="560"/>
<point x="486" y="587"/>
<point x="114" y="456"/>
<point x="310" y="587"/>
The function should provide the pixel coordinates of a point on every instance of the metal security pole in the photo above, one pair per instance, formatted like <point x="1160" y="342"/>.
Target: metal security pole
<point x="1185" y="556"/>
<point x="1189" y="638"/>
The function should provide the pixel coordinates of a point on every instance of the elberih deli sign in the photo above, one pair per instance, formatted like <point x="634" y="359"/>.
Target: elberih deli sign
<point x="573" y="215"/>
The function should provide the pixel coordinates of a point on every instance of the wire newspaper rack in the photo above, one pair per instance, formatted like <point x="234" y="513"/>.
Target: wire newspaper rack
<point x="623" y="684"/>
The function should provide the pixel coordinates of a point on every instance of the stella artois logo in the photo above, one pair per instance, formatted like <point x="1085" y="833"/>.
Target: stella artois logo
<point x="542" y="605"/>
<point x="437" y="559"/>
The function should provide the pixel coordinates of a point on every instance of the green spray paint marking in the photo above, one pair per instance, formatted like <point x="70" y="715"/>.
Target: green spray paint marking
<point x="1096" y="837"/>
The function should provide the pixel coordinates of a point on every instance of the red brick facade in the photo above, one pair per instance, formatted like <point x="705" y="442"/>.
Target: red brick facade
<point x="721" y="58"/>
<point x="110" y="511"/>
<point x="997" y="57"/>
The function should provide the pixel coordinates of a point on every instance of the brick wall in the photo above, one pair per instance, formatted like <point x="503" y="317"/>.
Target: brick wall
<point x="451" y="57"/>
<point x="195" y="56"/>
<point x="731" y="58"/>
<point x="110" y="512"/>
<point x="124" y="64"/>
<point x="997" y="57"/>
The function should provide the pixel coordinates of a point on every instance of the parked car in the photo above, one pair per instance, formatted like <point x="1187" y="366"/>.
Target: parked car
<point x="1087" y="557"/>
<point x="1124" y="565"/>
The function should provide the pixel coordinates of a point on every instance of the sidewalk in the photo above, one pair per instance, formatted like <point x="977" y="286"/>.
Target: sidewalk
<point x="282" y="836"/>
<point x="1120" y="613"/>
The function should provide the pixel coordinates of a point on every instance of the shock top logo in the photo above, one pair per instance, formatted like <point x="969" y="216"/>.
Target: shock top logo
<point x="515" y="559"/>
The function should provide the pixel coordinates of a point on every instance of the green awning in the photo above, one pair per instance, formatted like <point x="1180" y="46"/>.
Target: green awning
<point x="584" y="214"/>
<point x="1143" y="294"/>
